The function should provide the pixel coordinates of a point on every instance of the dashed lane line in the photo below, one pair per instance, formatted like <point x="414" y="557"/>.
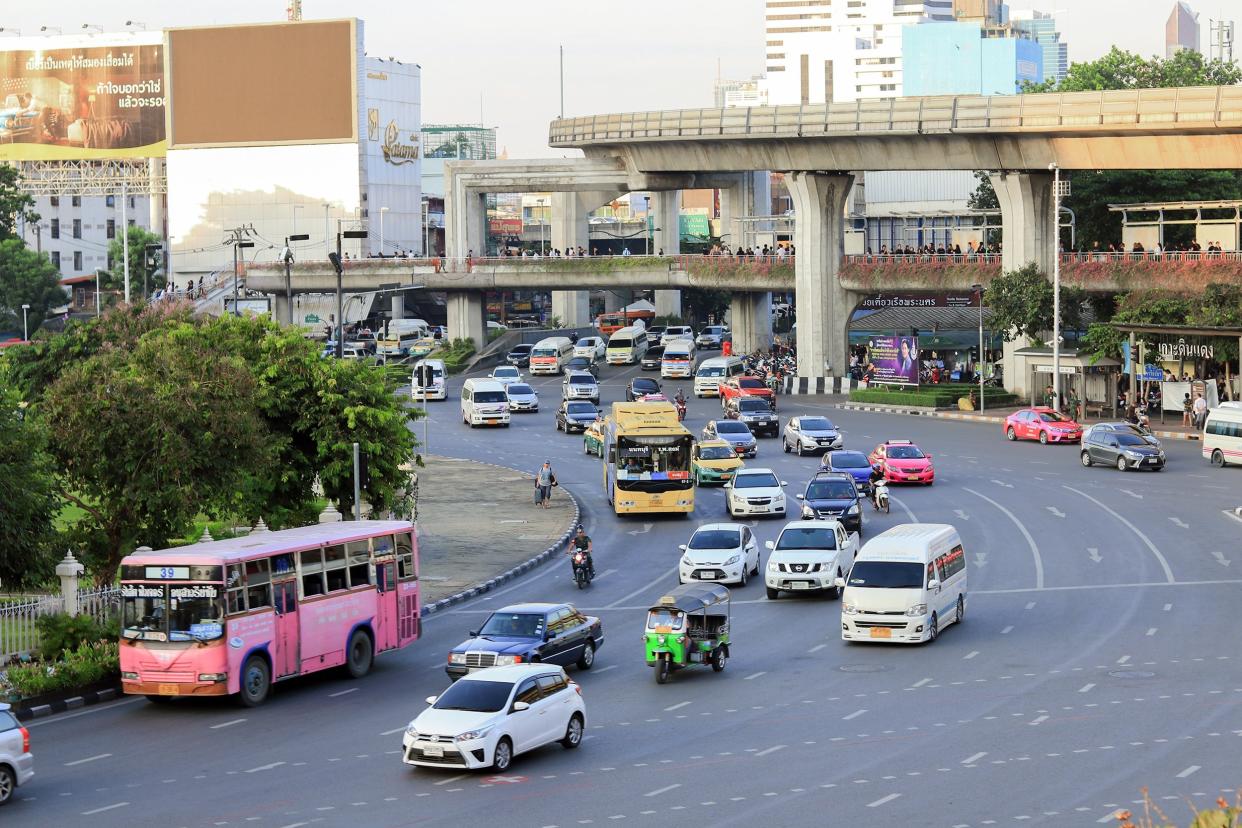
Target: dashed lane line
<point x="451" y="779"/>
<point x="970" y="760"/>
<point x="343" y="692"/>
<point x="677" y="706"/>
<point x="970" y="655"/>
<point x="663" y="790"/>
<point x="884" y="800"/>
<point x="87" y="759"/>
<point x="771" y="750"/>
<point x="1190" y="770"/>
<point x="227" y="724"/>
<point x="755" y="675"/>
<point x="112" y="807"/>
<point x="853" y="715"/>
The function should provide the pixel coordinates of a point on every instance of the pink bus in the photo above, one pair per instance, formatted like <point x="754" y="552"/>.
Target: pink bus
<point x="230" y="617"/>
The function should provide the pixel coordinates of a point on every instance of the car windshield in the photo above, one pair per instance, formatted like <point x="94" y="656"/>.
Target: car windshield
<point x="753" y="407"/>
<point x="506" y="372"/>
<point x="750" y="383"/>
<point x="830" y="490"/>
<point x="731" y="427"/>
<point x="904" y="453"/>
<point x="816" y="424"/>
<point x="520" y="390"/>
<point x="185" y="612"/>
<point x="711" y="371"/>
<point x="522" y="349"/>
<point x="849" y="460"/>
<point x="1130" y="439"/>
<point x="582" y="379"/>
<point x="645" y="386"/>
<point x="581" y="408"/>
<point x="1053" y="417"/>
<point x="587" y="342"/>
<point x="756" y="481"/>
<point x="657" y="351"/>
<point x="544" y="352"/>
<point x="807" y="537"/>
<point x="475" y="696"/>
<point x="887" y="575"/>
<point x="717" y="453"/>
<point x="673" y="619"/>
<point x="514" y="625"/>
<point x="715" y="539"/>
<point x="489" y="396"/>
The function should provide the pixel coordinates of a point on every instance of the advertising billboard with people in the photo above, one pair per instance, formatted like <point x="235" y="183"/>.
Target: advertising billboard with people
<point x="70" y="98"/>
<point x="895" y="359"/>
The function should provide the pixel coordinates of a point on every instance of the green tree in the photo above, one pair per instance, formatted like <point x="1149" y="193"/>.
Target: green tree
<point x="1120" y="69"/>
<point x="701" y="304"/>
<point x="26" y="278"/>
<point x="15" y="205"/>
<point x="114" y="278"/>
<point x="1021" y="304"/>
<point x="28" y="501"/>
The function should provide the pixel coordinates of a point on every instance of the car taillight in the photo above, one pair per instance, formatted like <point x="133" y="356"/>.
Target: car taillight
<point x="25" y="740"/>
<point x="577" y="689"/>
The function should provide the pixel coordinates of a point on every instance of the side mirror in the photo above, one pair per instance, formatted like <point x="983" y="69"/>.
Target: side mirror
<point x="682" y="547"/>
<point x="518" y="707"/>
<point x="928" y="456"/>
<point x="840" y="582"/>
<point x="800" y="497"/>
<point x="770" y="544"/>
<point x="933" y="584"/>
<point x="431" y="699"/>
<point x="783" y="483"/>
<point x="474" y="633"/>
<point x="728" y="484"/>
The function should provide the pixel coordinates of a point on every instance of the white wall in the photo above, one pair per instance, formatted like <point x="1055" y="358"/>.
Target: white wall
<point x="93" y="213"/>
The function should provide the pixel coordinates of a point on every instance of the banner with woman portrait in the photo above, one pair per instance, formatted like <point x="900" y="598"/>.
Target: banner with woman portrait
<point x="895" y="359"/>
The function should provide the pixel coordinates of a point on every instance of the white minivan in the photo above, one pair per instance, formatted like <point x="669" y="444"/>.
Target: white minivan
<point x="436" y="389"/>
<point x="678" y="359"/>
<point x="712" y="373"/>
<point x="626" y="346"/>
<point x="484" y="402"/>
<point x="1222" y="434"/>
<point x="550" y="355"/>
<point x="906" y="585"/>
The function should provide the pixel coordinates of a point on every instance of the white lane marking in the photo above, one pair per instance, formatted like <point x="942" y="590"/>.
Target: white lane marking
<point x="1007" y="630"/>
<point x="295" y="825"/>
<point x="1055" y="511"/>
<point x="1030" y="541"/>
<point x="605" y="669"/>
<point x="1039" y="720"/>
<point x="904" y="507"/>
<point x="970" y="655"/>
<point x="1123" y="659"/>
<point x="1188" y="771"/>
<point x="227" y="724"/>
<point x="1151" y="631"/>
<point x="342" y="692"/>
<point x="645" y="587"/>
<point x="105" y="808"/>
<point x="1111" y="816"/>
<point x="646" y="528"/>
<point x="970" y="760"/>
<point x="87" y="759"/>
<point x="394" y="730"/>
<point x="265" y="767"/>
<point x="960" y="514"/>
<point x="1003" y="483"/>
<point x="755" y="675"/>
<point x="1179" y="523"/>
<point x="853" y="715"/>
<point x="1132" y="494"/>
<point x="883" y="800"/>
<point x="1164" y="564"/>
<point x="772" y="749"/>
<point x="451" y="779"/>
<point x="1030" y="605"/>
<point x="663" y="790"/>
<point x="1168" y="607"/>
<point x="921" y="682"/>
<point x="817" y="648"/>
<point x="1086" y="688"/>
<point x="677" y="706"/>
<point x="90" y="711"/>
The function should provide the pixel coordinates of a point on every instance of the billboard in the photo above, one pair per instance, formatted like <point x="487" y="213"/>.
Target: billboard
<point x="259" y="85"/>
<point x="70" y="98"/>
<point x="895" y="359"/>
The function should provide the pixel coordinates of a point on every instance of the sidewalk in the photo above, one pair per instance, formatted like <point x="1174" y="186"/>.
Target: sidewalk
<point x="478" y="526"/>
<point x="1170" y="430"/>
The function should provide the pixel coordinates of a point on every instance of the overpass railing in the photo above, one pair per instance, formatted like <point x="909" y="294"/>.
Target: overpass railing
<point x="1097" y="111"/>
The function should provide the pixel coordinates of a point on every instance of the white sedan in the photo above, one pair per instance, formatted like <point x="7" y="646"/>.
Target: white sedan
<point x="720" y="552"/>
<point x="591" y="347"/>
<point x="755" y="492"/>
<point x="489" y="716"/>
<point x="506" y="374"/>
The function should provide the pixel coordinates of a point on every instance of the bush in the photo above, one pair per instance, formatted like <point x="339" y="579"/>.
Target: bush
<point x="456" y="355"/>
<point x="937" y="396"/>
<point x="86" y="664"/>
<point x="59" y="632"/>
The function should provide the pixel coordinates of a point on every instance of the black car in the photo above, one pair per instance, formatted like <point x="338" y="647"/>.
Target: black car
<point x="520" y="355"/>
<point x="833" y="496"/>
<point x="756" y="413"/>
<point x="1122" y="449"/>
<point x="651" y="359"/>
<point x="579" y="363"/>
<point x="575" y="415"/>
<point x="523" y="633"/>
<point x="641" y="386"/>
<point x="1126" y="428"/>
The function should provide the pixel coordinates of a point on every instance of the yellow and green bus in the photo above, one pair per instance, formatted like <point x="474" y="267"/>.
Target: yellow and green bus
<point x="646" y="456"/>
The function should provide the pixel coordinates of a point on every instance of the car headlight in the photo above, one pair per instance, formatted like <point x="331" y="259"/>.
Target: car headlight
<point x="1162" y="454"/>
<point x="917" y="610"/>
<point x="849" y="609"/>
<point x="410" y="730"/>
<point x="471" y="735"/>
<point x="780" y="498"/>
<point x="808" y="441"/>
<point x="808" y="512"/>
<point x="457" y="658"/>
<point x="502" y="660"/>
<point x="853" y="510"/>
<point x="773" y="566"/>
<point x="734" y="559"/>
<point x="685" y="561"/>
<point x="1133" y="455"/>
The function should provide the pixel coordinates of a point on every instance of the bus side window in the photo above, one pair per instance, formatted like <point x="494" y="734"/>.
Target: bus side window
<point x="235" y="594"/>
<point x="311" y="564"/>
<point x="359" y="555"/>
<point x="334" y="568"/>
<point x="258" y="584"/>
<point x="407" y="570"/>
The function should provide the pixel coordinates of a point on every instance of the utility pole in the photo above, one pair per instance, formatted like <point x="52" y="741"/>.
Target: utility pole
<point x="238" y="238"/>
<point x="1056" y="284"/>
<point x="287" y="256"/>
<point x="335" y="258"/>
<point x="125" y="234"/>
<point x="151" y="261"/>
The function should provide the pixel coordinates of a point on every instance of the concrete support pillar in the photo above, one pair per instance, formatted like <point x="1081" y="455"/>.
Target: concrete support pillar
<point x="823" y="306"/>
<point x="398" y="306"/>
<point x="613" y="300"/>
<point x="667" y="237"/>
<point x="569" y="228"/>
<point x="465" y="220"/>
<point x="750" y="195"/>
<point x="280" y="309"/>
<point x="750" y="322"/>
<point x="465" y="316"/>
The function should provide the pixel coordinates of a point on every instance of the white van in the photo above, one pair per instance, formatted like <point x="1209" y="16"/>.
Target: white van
<point x="712" y="372"/>
<point x="626" y="346"/>
<point x="678" y="359"/>
<point x="484" y="402"/>
<point x="1222" y="434"/>
<point x="906" y="585"/>
<point x="436" y="390"/>
<point x="550" y="355"/>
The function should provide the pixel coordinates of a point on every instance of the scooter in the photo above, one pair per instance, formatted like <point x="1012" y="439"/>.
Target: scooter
<point x="681" y="409"/>
<point x="879" y="495"/>
<point x="582" y="570"/>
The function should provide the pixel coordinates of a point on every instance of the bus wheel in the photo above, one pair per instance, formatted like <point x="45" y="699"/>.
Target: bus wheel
<point x="361" y="654"/>
<point x="1218" y="459"/>
<point x="256" y="682"/>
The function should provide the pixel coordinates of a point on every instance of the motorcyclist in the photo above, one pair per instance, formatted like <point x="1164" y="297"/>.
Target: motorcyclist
<point x="581" y="542"/>
<point x="680" y="402"/>
<point x="877" y="475"/>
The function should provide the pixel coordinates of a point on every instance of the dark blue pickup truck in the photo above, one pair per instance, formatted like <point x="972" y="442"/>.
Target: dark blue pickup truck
<point x="525" y="633"/>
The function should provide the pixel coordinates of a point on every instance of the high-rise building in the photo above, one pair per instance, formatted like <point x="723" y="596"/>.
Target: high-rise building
<point x="968" y="59"/>
<point x="1181" y="31"/>
<point x="75" y="231"/>
<point x="821" y="51"/>
<point x="740" y="93"/>
<point x="1042" y="28"/>
<point x="1220" y="40"/>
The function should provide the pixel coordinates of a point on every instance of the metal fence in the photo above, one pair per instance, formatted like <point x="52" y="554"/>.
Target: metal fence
<point x="18" y="631"/>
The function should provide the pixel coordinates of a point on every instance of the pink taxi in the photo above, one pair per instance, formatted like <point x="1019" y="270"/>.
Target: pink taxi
<point x="1042" y="424"/>
<point x="902" y="461"/>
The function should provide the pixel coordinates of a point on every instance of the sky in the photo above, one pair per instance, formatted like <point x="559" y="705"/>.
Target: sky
<point x="498" y="62"/>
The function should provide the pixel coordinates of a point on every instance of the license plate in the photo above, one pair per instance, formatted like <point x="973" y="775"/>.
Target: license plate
<point x="170" y="689"/>
<point x="707" y="576"/>
<point x="881" y="632"/>
<point x="912" y="477"/>
<point x="433" y="751"/>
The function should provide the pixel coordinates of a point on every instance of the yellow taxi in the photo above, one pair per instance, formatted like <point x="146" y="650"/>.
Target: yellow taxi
<point x="714" y="461"/>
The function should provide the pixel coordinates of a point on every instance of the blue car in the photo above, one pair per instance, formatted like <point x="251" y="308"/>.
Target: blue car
<point x="853" y="463"/>
<point x="734" y="432"/>
<point x="833" y="496"/>
<point x="525" y="633"/>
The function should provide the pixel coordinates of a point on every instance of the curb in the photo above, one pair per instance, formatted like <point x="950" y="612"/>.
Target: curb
<point x="513" y="572"/>
<point x="919" y="411"/>
<point x="86" y="699"/>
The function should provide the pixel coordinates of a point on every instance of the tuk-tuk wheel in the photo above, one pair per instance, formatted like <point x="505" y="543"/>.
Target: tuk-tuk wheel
<point x="661" y="670"/>
<point x="719" y="658"/>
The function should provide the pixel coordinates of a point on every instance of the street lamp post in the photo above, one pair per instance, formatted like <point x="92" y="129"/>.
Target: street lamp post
<point x="1056" y="286"/>
<point x="237" y="245"/>
<point x="381" y="238"/>
<point x="335" y="258"/>
<point x="288" y="257"/>
<point x="25" y="327"/>
<point x="978" y="289"/>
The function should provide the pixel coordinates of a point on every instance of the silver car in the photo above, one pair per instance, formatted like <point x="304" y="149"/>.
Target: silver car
<point x="580" y="385"/>
<point x="16" y="762"/>
<point x="522" y="397"/>
<point x="804" y="435"/>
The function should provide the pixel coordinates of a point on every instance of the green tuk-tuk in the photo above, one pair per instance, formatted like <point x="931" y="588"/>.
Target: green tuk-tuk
<point x="690" y="624"/>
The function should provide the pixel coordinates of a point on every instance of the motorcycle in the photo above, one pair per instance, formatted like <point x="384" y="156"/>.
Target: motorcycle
<point x="582" y="570"/>
<point x="681" y="409"/>
<point x="879" y="495"/>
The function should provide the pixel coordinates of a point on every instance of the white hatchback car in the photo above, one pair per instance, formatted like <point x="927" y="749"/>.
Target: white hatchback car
<point x="591" y="347"/>
<point x="487" y="717"/>
<point x="755" y="492"/>
<point x="16" y="763"/>
<point x="720" y="552"/>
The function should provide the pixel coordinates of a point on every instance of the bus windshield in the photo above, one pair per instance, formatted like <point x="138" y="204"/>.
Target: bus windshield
<point x="654" y="463"/>
<point x="544" y="352"/>
<point x="165" y="612"/>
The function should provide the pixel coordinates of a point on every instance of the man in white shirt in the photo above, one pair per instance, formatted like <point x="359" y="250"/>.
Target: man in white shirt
<point x="1200" y="409"/>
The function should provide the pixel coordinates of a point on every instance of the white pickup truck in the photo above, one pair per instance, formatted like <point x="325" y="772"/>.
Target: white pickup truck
<point x="809" y="555"/>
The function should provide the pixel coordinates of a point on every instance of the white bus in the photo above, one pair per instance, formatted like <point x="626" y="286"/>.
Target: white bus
<point x="627" y="345"/>
<point x="712" y="372"/>
<point x="550" y="355"/>
<point x="1222" y="434"/>
<point x="906" y="585"/>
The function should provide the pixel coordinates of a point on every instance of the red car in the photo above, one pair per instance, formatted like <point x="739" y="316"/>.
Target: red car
<point x="1042" y="424"/>
<point x="746" y="387"/>
<point x="902" y="461"/>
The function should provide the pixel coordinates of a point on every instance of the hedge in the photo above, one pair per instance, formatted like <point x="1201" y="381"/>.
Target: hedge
<point x="941" y="396"/>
